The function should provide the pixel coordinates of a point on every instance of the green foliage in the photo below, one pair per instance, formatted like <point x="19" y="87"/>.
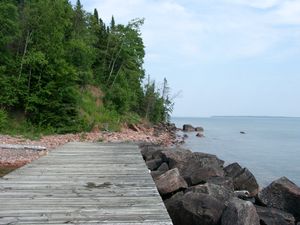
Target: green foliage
<point x="3" y="119"/>
<point x="9" y="26"/>
<point x="53" y="55"/>
<point x="157" y="105"/>
<point x="16" y="124"/>
<point x="94" y="114"/>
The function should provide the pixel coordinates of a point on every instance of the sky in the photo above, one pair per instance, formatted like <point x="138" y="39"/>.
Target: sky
<point x="220" y="57"/>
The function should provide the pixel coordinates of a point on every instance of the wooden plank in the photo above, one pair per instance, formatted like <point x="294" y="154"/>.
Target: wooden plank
<point x="22" y="147"/>
<point x="83" y="183"/>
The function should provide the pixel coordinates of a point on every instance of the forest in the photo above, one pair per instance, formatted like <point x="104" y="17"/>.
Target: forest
<point x="63" y="69"/>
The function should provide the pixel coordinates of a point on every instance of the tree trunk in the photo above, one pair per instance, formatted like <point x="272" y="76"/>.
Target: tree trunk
<point x="24" y="52"/>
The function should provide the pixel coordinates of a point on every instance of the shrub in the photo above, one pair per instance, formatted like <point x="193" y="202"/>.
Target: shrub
<point x="3" y="119"/>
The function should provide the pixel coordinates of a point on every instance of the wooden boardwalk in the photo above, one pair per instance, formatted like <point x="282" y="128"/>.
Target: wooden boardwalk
<point x="83" y="183"/>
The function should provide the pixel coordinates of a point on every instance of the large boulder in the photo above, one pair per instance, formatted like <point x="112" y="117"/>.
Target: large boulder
<point x="271" y="216"/>
<point x="282" y="194"/>
<point x="188" y="128"/>
<point x="239" y="212"/>
<point x="220" y="192"/>
<point x="206" y="159"/>
<point x="150" y="152"/>
<point x="199" y="129"/>
<point x="176" y="158"/>
<point x="161" y="170"/>
<point x="155" y="174"/>
<point x="174" y="207"/>
<point x="226" y="182"/>
<point x="201" y="175"/>
<point x="243" y="179"/>
<point x="170" y="182"/>
<point x="200" y="167"/>
<point x="233" y="169"/>
<point x="154" y="164"/>
<point x="196" y="167"/>
<point x="163" y="167"/>
<point x="201" y="209"/>
<point x="194" y="208"/>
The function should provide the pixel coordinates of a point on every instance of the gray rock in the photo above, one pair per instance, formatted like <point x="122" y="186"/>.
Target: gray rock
<point x="154" y="164"/>
<point x="220" y="192"/>
<point x="200" y="135"/>
<point x="201" y="209"/>
<point x="150" y="152"/>
<point x="243" y="179"/>
<point x="195" y="167"/>
<point x="242" y="194"/>
<point x="199" y="129"/>
<point x="282" y="194"/>
<point x="188" y="128"/>
<point x="176" y="158"/>
<point x="201" y="175"/>
<point x="163" y="167"/>
<point x="156" y="174"/>
<point x="174" y="207"/>
<point x="194" y="208"/>
<point x="239" y="212"/>
<point x="170" y="182"/>
<point x="206" y="159"/>
<point x="271" y="216"/>
<point x="233" y="169"/>
<point x="226" y="182"/>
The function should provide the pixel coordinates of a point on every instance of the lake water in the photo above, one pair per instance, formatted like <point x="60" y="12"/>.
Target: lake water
<point x="270" y="147"/>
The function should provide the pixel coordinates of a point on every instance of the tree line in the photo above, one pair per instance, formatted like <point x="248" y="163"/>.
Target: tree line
<point x="53" y="52"/>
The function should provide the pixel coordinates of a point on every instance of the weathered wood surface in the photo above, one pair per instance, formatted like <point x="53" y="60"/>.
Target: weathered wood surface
<point x="22" y="147"/>
<point x="83" y="183"/>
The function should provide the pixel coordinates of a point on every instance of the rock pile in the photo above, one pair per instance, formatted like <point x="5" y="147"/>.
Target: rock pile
<point x="198" y="189"/>
<point x="190" y="128"/>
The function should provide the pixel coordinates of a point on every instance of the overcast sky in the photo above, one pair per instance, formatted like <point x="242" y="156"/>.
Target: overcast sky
<point x="227" y="57"/>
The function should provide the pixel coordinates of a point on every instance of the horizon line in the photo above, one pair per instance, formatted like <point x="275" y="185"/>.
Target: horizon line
<point x="214" y="116"/>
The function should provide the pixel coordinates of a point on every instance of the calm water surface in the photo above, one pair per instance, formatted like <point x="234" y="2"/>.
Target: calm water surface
<point x="270" y="148"/>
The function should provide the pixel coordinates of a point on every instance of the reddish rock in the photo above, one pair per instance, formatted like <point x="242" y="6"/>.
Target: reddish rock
<point x="170" y="182"/>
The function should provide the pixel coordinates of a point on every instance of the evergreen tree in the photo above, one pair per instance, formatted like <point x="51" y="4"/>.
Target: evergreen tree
<point x="112" y="23"/>
<point x="9" y="33"/>
<point x="51" y="52"/>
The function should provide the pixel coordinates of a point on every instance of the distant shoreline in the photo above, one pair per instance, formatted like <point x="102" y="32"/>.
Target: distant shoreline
<point x="208" y="117"/>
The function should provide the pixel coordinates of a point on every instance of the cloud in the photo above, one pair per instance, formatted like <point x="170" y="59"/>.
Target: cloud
<point x="207" y="30"/>
<point x="288" y="13"/>
<point x="259" y="4"/>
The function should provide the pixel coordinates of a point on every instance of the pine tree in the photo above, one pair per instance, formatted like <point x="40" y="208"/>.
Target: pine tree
<point x="112" y="23"/>
<point x="96" y="16"/>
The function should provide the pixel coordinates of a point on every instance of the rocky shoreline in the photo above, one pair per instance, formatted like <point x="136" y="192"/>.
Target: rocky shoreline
<point x="198" y="189"/>
<point x="10" y="159"/>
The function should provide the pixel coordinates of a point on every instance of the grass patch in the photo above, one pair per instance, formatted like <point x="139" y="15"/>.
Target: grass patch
<point x="17" y="125"/>
<point x="94" y="114"/>
<point x="4" y="171"/>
